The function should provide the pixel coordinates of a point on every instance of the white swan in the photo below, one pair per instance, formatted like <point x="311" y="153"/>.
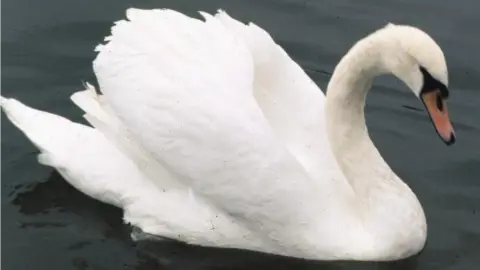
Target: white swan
<point x="207" y="132"/>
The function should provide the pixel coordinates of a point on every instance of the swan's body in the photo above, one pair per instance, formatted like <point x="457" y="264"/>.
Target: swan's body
<point x="208" y="133"/>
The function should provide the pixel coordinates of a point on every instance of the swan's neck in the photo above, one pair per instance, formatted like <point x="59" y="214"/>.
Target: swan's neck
<point x="346" y="95"/>
<point x="380" y="192"/>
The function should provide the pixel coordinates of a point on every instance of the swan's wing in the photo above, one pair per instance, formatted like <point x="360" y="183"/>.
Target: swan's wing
<point x="184" y="88"/>
<point x="290" y="100"/>
<point x="100" y="116"/>
<point x="94" y="166"/>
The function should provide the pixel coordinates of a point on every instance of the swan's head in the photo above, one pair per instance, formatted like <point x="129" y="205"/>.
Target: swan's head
<point x="415" y="58"/>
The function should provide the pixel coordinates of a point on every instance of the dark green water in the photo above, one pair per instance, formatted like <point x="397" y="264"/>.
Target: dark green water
<point x="47" y="49"/>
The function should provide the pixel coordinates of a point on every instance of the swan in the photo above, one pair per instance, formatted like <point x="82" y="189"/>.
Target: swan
<point x="207" y="132"/>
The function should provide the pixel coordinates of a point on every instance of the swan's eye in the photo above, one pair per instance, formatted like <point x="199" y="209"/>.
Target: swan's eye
<point x="439" y="102"/>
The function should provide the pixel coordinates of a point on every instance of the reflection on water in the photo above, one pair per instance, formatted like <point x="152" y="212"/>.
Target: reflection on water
<point x="56" y="195"/>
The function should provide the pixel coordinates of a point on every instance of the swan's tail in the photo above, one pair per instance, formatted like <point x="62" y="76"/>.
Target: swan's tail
<point x="81" y="154"/>
<point x="50" y="133"/>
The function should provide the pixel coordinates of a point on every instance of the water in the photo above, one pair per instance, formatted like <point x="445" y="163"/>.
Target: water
<point x="47" y="49"/>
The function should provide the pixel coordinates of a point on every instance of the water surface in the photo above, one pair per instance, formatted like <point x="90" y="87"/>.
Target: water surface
<point x="47" y="49"/>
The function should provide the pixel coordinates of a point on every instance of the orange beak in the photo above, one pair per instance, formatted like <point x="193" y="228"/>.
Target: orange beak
<point x="437" y="109"/>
